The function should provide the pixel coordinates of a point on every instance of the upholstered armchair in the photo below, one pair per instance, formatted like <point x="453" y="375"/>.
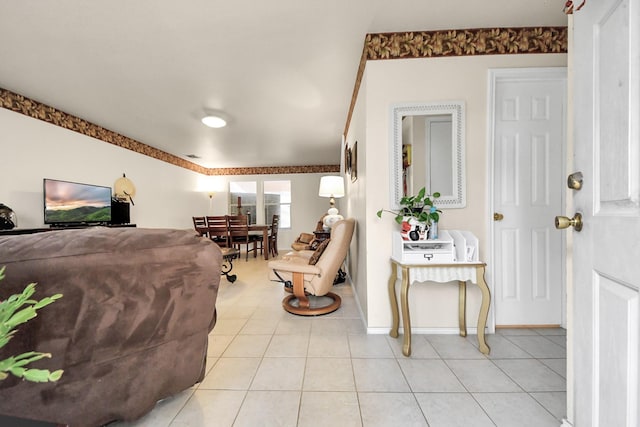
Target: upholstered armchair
<point x="310" y="275"/>
<point x="308" y="241"/>
<point x="303" y="242"/>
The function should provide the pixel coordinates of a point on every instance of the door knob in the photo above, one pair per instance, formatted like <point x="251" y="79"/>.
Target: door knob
<point x="565" y="222"/>
<point x="498" y="216"/>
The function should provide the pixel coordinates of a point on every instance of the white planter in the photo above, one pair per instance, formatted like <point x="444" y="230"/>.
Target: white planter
<point x="412" y="229"/>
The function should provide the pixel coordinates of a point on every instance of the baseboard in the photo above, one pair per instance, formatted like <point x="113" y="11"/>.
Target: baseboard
<point x="527" y="326"/>
<point x="424" y="331"/>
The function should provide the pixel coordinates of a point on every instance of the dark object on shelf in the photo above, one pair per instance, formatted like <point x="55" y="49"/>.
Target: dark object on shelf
<point x="8" y="219"/>
<point x="120" y="212"/>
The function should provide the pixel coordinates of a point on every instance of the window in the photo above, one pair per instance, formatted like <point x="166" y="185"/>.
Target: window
<point x="277" y="200"/>
<point x="242" y="199"/>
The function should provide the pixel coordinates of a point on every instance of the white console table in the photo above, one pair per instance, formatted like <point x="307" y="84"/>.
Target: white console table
<point x="458" y="271"/>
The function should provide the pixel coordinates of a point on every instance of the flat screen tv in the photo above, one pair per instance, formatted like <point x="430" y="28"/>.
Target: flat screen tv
<point x="69" y="203"/>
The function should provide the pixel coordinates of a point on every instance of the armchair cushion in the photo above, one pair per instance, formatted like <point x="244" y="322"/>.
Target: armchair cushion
<point x="294" y="265"/>
<point x="303" y="242"/>
<point x="318" y="252"/>
<point x="306" y="237"/>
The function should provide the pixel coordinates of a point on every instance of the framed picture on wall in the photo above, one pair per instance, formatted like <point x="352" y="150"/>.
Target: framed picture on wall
<point x="347" y="159"/>
<point x="354" y="162"/>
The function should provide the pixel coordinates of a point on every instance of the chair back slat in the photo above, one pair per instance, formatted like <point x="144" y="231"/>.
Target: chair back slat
<point x="238" y="227"/>
<point x="200" y="225"/>
<point x="217" y="229"/>
<point x="273" y="235"/>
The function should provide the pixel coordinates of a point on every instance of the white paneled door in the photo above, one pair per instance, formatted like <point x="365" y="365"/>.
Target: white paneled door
<point x="528" y="166"/>
<point x="605" y="320"/>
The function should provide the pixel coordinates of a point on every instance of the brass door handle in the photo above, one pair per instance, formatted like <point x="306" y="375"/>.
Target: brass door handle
<point x="565" y="222"/>
<point x="498" y="216"/>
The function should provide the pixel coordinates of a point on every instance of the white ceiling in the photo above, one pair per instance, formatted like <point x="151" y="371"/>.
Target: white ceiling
<point x="284" y="70"/>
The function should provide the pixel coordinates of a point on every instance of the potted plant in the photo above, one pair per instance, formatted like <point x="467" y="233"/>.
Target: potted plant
<point x="14" y="311"/>
<point x="417" y="214"/>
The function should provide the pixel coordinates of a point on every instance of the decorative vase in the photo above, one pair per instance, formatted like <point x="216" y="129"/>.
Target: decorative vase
<point x="412" y="229"/>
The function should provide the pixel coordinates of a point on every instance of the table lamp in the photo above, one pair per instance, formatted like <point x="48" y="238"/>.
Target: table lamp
<point x="331" y="186"/>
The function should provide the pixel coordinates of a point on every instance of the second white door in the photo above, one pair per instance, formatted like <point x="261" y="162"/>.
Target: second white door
<point x="528" y="159"/>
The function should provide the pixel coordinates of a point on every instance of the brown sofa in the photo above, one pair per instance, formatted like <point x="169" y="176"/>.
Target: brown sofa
<point x="130" y="329"/>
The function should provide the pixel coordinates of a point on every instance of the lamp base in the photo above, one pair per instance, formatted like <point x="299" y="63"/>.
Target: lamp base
<point x="331" y="218"/>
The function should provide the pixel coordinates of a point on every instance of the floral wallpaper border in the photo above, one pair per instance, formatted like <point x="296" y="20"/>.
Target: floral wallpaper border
<point x="37" y="110"/>
<point x="464" y="42"/>
<point x="479" y="41"/>
<point x="379" y="46"/>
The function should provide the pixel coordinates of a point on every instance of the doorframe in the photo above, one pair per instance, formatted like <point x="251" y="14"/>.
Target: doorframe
<point x="495" y="76"/>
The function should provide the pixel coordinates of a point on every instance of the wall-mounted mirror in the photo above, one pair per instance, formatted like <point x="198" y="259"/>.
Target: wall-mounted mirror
<point x="428" y="151"/>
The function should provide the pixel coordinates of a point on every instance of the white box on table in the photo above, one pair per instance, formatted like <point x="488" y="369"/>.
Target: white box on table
<point x="432" y="251"/>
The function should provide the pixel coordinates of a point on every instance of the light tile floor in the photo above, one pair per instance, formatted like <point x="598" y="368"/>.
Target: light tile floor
<point x="266" y="367"/>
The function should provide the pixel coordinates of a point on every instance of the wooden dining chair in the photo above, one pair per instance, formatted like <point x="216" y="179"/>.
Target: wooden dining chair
<point x="238" y="229"/>
<point x="217" y="230"/>
<point x="200" y="225"/>
<point x="273" y="236"/>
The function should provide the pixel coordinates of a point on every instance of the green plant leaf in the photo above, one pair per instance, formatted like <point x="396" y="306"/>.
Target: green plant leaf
<point x="56" y="375"/>
<point x="22" y="316"/>
<point x="46" y="301"/>
<point x="26" y="358"/>
<point x="7" y="363"/>
<point x="18" y="371"/>
<point x="13" y="314"/>
<point x="379" y="213"/>
<point x="37" y="375"/>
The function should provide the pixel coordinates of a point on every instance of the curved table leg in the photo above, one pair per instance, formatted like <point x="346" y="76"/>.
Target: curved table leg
<point x="462" y="307"/>
<point x="265" y="243"/>
<point x="404" y="303"/>
<point x="395" y="322"/>
<point x="227" y="264"/>
<point x="484" y="309"/>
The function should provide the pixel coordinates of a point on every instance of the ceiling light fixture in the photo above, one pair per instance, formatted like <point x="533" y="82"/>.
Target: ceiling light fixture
<point x="214" y="119"/>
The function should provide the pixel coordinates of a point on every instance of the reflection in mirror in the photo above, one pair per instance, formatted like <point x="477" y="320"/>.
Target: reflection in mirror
<point x="428" y="151"/>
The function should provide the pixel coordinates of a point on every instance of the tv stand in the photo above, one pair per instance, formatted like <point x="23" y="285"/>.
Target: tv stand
<point x="17" y="231"/>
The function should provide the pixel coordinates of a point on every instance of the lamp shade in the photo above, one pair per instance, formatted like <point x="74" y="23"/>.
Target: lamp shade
<point x="331" y="186"/>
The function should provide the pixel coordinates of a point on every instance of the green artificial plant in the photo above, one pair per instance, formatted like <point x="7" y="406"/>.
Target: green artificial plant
<point x="14" y="311"/>
<point x="420" y="206"/>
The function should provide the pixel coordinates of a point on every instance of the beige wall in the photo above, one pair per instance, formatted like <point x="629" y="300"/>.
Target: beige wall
<point x="356" y="206"/>
<point x="423" y="80"/>
<point x="167" y="195"/>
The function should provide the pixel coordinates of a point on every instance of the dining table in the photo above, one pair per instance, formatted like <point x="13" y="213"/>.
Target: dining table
<point x="264" y="228"/>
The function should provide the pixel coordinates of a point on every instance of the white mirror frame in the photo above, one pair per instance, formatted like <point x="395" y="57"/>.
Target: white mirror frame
<point x="456" y="109"/>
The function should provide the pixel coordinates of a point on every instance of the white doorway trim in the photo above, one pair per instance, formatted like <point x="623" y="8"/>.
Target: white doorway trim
<point x="514" y="75"/>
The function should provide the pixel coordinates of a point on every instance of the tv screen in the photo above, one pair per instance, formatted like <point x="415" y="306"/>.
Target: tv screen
<point x="75" y="203"/>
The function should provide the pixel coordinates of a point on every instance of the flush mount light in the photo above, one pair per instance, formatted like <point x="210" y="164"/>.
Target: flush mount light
<point x="214" y="119"/>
